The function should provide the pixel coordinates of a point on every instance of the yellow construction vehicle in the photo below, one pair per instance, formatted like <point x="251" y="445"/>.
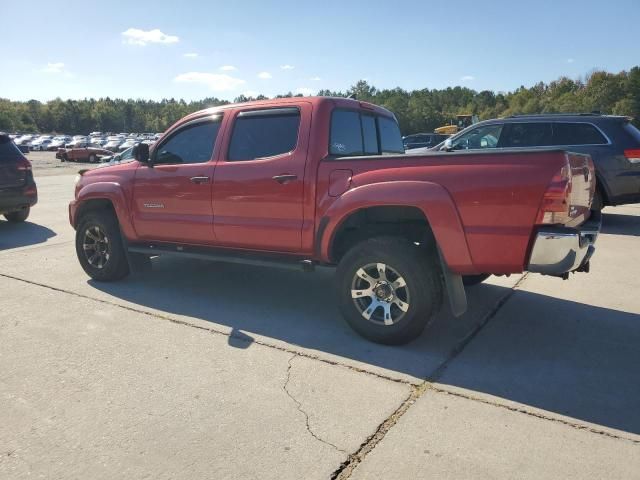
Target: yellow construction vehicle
<point x="462" y="122"/>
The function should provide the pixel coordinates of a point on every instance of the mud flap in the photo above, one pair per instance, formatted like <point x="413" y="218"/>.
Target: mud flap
<point x="455" y="288"/>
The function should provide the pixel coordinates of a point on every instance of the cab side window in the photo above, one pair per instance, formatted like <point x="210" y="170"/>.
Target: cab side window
<point x="534" y="134"/>
<point x="192" y="144"/>
<point x="486" y="136"/>
<point x="264" y="133"/>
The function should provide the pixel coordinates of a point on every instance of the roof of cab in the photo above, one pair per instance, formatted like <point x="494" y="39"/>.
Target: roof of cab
<point x="275" y="102"/>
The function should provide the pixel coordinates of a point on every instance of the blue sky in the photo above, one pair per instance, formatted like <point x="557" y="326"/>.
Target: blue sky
<point x="196" y="49"/>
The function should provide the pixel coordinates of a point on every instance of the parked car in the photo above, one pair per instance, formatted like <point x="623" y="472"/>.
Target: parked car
<point x="613" y="143"/>
<point x="422" y="140"/>
<point x="18" y="192"/>
<point x="113" y="143"/>
<point x="39" y="142"/>
<point x="77" y="141"/>
<point x="81" y="154"/>
<point x="58" y="142"/>
<point x="113" y="158"/>
<point x="325" y="181"/>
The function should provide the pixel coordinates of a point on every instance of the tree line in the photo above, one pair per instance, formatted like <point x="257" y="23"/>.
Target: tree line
<point x="416" y="110"/>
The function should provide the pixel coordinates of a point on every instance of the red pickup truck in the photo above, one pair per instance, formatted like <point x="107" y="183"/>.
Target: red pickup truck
<point x="302" y="182"/>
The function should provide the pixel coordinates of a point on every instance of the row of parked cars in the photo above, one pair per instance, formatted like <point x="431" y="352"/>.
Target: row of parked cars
<point x="107" y="141"/>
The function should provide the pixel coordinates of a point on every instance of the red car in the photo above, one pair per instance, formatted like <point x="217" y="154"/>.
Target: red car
<point x="325" y="181"/>
<point x="81" y="154"/>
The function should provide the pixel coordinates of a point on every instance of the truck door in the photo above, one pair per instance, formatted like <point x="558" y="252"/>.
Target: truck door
<point x="172" y="195"/>
<point x="259" y="180"/>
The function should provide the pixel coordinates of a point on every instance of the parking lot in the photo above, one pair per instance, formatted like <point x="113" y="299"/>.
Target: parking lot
<point x="196" y="370"/>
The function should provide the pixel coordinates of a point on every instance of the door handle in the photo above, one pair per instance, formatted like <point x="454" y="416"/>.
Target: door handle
<point x="286" y="178"/>
<point x="199" y="180"/>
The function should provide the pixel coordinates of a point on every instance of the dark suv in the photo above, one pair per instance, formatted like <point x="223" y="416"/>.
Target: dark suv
<point x="422" y="140"/>
<point x="18" y="191"/>
<point x="612" y="141"/>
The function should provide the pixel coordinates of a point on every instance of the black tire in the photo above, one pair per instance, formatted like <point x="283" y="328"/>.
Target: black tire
<point x="598" y="201"/>
<point x="19" y="216"/>
<point x="63" y="158"/>
<point x="422" y="294"/>
<point x="115" y="266"/>
<point x="470" y="280"/>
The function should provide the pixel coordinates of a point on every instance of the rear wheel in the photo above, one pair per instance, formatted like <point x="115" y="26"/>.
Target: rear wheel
<point x="93" y="159"/>
<point x="18" y="216"/>
<point x="389" y="289"/>
<point x="99" y="247"/>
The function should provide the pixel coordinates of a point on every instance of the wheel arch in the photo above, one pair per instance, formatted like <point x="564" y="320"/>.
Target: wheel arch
<point x="415" y="205"/>
<point x="104" y="196"/>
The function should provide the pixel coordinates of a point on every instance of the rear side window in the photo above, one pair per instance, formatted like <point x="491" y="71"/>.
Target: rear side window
<point x="264" y="133"/>
<point x="353" y="133"/>
<point x="577" y="134"/>
<point x="390" y="137"/>
<point x="192" y="144"/>
<point x="8" y="150"/>
<point x="527" y="135"/>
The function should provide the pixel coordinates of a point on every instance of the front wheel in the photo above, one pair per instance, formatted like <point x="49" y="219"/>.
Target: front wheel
<point x="99" y="247"/>
<point x="389" y="289"/>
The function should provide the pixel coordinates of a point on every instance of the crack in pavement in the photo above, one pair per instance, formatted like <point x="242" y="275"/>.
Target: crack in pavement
<point x="301" y="410"/>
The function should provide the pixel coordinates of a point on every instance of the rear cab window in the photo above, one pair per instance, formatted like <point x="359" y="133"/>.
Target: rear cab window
<point x="357" y="133"/>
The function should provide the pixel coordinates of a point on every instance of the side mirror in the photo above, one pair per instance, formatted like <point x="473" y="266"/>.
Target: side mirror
<point x="141" y="152"/>
<point x="448" y="145"/>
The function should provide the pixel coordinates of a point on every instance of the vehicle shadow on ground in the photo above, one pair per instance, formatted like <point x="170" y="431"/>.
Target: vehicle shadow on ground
<point x="14" y="235"/>
<point x="620" y="224"/>
<point x="569" y="358"/>
<point x="573" y="359"/>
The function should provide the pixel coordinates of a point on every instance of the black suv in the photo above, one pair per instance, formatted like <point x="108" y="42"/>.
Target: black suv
<point x="612" y="141"/>
<point x="18" y="191"/>
<point x="422" y="140"/>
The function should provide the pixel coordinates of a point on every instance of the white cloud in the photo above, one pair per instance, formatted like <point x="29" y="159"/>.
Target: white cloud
<point x="287" y="67"/>
<point x="135" y="36"/>
<point x="315" y="79"/>
<point x="228" y="68"/>
<point x="570" y="60"/>
<point x="467" y="78"/>
<point x="305" y="91"/>
<point x="57" y="67"/>
<point x="190" y="55"/>
<point x="217" y="82"/>
<point x="265" y="75"/>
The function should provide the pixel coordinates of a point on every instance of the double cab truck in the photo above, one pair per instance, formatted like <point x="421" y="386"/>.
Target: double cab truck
<point x="306" y="182"/>
<point x="82" y="153"/>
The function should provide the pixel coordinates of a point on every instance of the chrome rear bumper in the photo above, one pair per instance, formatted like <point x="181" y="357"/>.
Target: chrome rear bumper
<point x="561" y="250"/>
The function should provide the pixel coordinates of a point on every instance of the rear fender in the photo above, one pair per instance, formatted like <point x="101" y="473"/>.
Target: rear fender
<point x="432" y="199"/>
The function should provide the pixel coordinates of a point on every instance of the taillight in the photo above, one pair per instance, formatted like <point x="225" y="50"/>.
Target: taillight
<point x="23" y="164"/>
<point x="556" y="207"/>
<point x="633" y="155"/>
